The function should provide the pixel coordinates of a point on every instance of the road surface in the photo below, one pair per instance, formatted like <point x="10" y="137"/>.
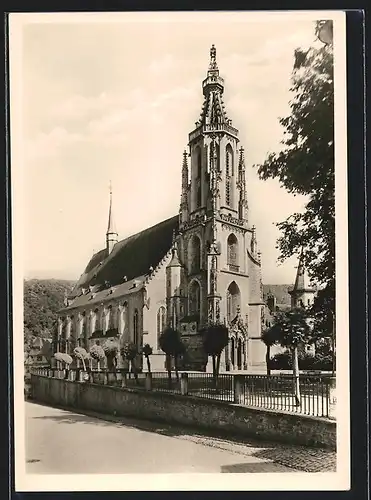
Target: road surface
<point x="65" y="442"/>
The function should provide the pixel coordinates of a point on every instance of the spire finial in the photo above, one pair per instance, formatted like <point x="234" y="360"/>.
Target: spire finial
<point x="213" y="65"/>
<point x="111" y="235"/>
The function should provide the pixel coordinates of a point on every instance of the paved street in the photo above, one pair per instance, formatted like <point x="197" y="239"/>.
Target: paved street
<point x="65" y="442"/>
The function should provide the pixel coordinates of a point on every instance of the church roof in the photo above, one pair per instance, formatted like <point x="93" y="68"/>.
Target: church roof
<point x="130" y="258"/>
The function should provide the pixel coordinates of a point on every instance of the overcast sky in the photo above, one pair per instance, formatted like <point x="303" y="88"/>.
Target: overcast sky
<point x="117" y="100"/>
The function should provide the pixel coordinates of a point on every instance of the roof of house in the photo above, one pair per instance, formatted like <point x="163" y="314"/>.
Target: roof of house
<point x="130" y="258"/>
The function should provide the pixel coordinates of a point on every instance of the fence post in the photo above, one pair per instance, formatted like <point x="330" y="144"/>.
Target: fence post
<point x="148" y="381"/>
<point x="332" y="398"/>
<point x="184" y="384"/>
<point x="124" y="384"/>
<point x="238" y="383"/>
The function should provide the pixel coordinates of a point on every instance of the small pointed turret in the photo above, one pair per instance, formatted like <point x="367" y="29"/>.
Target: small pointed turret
<point x="241" y="185"/>
<point x="111" y="235"/>
<point x="254" y="243"/>
<point x="174" y="257"/>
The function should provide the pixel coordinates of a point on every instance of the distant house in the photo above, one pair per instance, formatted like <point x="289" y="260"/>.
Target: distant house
<point x="38" y="352"/>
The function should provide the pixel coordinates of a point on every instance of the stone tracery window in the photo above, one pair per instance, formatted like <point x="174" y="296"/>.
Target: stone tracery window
<point x="229" y="172"/>
<point x="194" y="297"/>
<point x="161" y="323"/>
<point x="94" y="318"/>
<point x="233" y="300"/>
<point x="232" y="254"/>
<point x="198" y="162"/>
<point x="136" y="327"/>
<point x="194" y="254"/>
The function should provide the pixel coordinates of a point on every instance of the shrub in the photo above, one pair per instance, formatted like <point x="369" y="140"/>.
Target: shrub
<point x="215" y="339"/>
<point x="64" y="357"/>
<point x="97" y="352"/>
<point x="147" y="351"/>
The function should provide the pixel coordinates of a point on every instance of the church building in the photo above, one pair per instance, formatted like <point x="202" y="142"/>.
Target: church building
<point x="199" y="267"/>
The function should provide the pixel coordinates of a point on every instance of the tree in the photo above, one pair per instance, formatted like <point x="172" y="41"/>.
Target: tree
<point x="293" y="329"/>
<point x="110" y="350"/>
<point x="96" y="352"/>
<point x="147" y="352"/>
<point x="305" y="166"/>
<point x="215" y="339"/>
<point x="65" y="358"/>
<point x="82" y="355"/>
<point x="270" y="336"/>
<point x="129" y="352"/>
<point x="171" y="343"/>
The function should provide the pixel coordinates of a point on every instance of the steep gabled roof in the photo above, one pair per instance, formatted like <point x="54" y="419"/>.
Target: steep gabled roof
<point x="131" y="257"/>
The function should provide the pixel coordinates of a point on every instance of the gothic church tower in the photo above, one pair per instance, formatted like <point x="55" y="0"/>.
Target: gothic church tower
<point x="217" y="247"/>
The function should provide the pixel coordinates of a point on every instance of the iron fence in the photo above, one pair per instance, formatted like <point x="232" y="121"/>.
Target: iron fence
<point x="160" y="381"/>
<point x="279" y="393"/>
<point x="275" y="392"/>
<point x="204" y="385"/>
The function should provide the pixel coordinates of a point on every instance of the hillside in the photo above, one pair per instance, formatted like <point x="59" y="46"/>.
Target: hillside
<point x="42" y="299"/>
<point x="279" y="291"/>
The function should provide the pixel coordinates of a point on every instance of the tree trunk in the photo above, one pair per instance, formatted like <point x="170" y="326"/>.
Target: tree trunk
<point x="168" y="368"/>
<point x="295" y="369"/>
<point x="148" y="364"/>
<point x="267" y="359"/>
<point x="134" y="370"/>
<point x="176" y="368"/>
<point x="214" y="371"/>
<point x="217" y="370"/>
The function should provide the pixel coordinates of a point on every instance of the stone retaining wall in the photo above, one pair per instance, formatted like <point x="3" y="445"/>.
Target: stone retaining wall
<point x="185" y="410"/>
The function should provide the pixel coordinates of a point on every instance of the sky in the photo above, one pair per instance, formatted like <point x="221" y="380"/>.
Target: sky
<point x="114" y="101"/>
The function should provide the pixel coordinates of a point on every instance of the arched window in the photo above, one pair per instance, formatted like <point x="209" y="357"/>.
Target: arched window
<point x="229" y="172"/>
<point x="229" y="166"/>
<point x="135" y="327"/>
<point x="161" y="323"/>
<point x="232" y="254"/>
<point x="111" y="318"/>
<point x="199" y="199"/>
<point x="217" y="151"/>
<point x="198" y="162"/>
<point x="102" y="320"/>
<point x="72" y="333"/>
<point x="122" y="322"/>
<point x="233" y="301"/>
<point x="82" y="329"/>
<point x="232" y="352"/>
<point x="194" y="254"/>
<point x="194" y="297"/>
<point x="94" y="317"/>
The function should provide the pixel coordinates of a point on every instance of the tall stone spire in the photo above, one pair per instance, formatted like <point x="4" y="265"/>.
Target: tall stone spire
<point x="183" y="212"/>
<point x="213" y="110"/>
<point x="111" y="235"/>
<point x="302" y="283"/>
